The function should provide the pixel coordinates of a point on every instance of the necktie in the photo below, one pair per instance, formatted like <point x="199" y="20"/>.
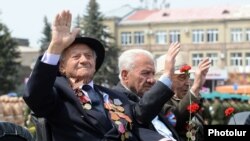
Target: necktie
<point x="95" y="99"/>
<point x="97" y="105"/>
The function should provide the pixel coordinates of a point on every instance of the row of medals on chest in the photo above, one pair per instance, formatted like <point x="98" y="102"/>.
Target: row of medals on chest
<point x="116" y="112"/>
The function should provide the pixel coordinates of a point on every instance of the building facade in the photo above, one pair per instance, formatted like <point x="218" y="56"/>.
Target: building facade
<point x="220" y="33"/>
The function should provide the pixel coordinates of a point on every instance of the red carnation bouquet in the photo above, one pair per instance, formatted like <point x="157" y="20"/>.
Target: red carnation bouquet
<point x="191" y="127"/>
<point x="192" y="108"/>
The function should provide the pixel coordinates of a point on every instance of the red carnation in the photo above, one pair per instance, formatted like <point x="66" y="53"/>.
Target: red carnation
<point x="185" y="68"/>
<point x="192" y="108"/>
<point x="229" y="111"/>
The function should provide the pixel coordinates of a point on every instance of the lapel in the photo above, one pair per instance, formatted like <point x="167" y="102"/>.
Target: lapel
<point x="132" y="96"/>
<point x="95" y="116"/>
<point x="68" y="92"/>
<point x="92" y="117"/>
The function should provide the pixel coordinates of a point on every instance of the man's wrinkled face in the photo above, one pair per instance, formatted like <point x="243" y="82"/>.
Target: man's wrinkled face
<point x="79" y="62"/>
<point x="140" y="78"/>
<point x="180" y="84"/>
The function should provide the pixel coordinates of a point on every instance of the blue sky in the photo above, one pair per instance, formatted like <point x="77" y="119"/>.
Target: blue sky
<point x="24" y="18"/>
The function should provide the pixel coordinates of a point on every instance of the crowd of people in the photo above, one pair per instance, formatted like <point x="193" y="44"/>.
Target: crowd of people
<point x="213" y="108"/>
<point x="141" y="107"/>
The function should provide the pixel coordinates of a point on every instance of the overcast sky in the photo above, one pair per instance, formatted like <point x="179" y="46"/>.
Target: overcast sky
<point x="24" y="18"/>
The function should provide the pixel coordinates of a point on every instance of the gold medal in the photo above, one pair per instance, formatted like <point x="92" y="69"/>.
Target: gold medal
<point x="126" y="135"/>
<point x="192" y="138"/>
<point x="122" y="137"/>
<point x="127" y="118"/>
<point x="188" y="134"/>
<point x="79" y="94"/>
<point x="107" y="106"/>
<point x="87" y="106"/>
<point x="113" y="107"/>
<point x="120" y="108"/>
<point x="122" y="115"/>
<point x="114" y="116"/>
<point x="118" y="122"/>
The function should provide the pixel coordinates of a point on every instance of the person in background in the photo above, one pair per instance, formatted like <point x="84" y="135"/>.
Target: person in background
<point x="185" y="96"/>
<point x="61" y="90"/>
<point x="137" y="77"/>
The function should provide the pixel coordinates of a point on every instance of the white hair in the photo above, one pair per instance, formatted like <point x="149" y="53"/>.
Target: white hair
<point x="127" y="59"/>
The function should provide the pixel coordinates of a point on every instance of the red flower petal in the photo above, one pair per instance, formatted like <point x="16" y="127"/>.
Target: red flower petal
<point x="229" y="111"/>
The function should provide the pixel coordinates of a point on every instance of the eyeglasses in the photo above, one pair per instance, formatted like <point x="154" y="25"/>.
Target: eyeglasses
<point x="182" y="77"/>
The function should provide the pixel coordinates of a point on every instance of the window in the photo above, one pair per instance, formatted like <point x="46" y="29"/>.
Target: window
<point x="235" y="59"/>
<point x="174" y="36"/>
<point x="161" y="37"/>
<point x="126" y="38"/>
<point x="198" y="36"/>
<point x="213" y="58"/>
<point x="139" y="38"/>
<point x="236" y="35"/>
<point x="212" y="35"/>
<point x="248" y="35"/>
<point x="247" y="59"/>
<point x="196" y="58"/>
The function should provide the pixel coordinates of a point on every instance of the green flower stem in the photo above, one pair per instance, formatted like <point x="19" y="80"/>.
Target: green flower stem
<point x="189" y="114"/>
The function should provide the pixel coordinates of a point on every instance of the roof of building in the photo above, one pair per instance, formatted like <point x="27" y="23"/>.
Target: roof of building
<point x="120" y="12"/>
<point x="187" y="14"/>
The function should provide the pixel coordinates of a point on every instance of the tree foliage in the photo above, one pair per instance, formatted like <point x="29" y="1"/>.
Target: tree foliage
<point x="46" y="36"/>
<point x="9" y="65"/>
<point x="93" y="27"/>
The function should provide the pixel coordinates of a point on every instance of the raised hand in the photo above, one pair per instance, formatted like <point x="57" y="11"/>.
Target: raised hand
<point x="200" y="75"/>
<point x="173" y="50"/>
<point x="62" y="36"/>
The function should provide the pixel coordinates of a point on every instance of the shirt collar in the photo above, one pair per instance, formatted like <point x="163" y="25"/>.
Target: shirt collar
<point x="91" y="84"/>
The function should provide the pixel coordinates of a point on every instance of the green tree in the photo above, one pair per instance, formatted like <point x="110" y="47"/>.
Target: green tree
<point x="93" y="27"/>
<point x="46" y="36"/>
<point x="9" y="65"/>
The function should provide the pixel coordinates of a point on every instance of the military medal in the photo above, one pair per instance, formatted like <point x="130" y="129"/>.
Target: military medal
<point x="122" y="137"/>
<point x="188" y="134"/>
<point x="107" y="106"/>
<point x="87" y="106"/>
<point x="193" y="138"/>
<point x="117" y="102"/>
<point x="121" y="128"/>
<point x="122" y="115"/>
<point x="118" y="122"/>
<point x="114" y="116"/>
<point x="79" y="94"/>
<point x="84" y="99"/>
<point x="120" y="108"/>
<point x="116" y="113"/>
<point x="127" y="118"/>
<point x="126" y="135"/>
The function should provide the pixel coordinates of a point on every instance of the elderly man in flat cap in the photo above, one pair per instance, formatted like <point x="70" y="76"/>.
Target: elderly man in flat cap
<point x="186" y="100"/>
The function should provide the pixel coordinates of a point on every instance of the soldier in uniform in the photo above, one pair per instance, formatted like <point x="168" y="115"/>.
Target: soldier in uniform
<point x="217" y="112"/>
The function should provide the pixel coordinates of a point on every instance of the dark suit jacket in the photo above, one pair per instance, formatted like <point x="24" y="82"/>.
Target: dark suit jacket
<point x="50" y="96"/>
<point x="135" y="99"/>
